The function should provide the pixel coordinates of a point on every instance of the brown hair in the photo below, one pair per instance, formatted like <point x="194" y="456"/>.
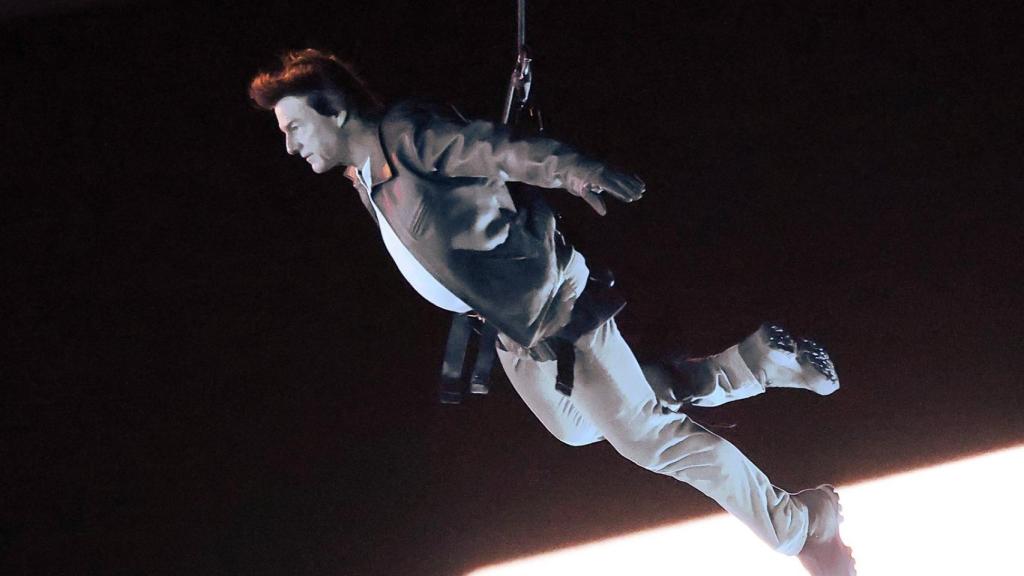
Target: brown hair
<point x="329" y="83"/>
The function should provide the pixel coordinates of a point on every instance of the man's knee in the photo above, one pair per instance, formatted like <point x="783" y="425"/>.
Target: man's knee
<point x="577" y="436"/>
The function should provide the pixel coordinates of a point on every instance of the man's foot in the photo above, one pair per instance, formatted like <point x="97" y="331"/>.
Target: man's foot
<point x="824" y="553"/>
<point x="780" y="361"/>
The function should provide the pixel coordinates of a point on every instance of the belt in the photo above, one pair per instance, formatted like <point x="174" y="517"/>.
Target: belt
<point x="599" y="301"/>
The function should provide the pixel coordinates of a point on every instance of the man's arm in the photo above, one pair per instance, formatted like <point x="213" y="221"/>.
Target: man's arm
<point x="455" y="147"/>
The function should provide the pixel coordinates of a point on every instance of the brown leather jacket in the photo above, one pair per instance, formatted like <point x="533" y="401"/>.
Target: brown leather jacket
<point x="444" y="195"/>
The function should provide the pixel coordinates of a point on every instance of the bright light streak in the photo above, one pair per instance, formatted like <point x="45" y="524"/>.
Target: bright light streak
<point x="962" y="517"/>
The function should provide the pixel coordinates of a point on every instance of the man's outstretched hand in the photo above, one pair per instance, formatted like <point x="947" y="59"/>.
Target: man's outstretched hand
<point x="622" y="187"/>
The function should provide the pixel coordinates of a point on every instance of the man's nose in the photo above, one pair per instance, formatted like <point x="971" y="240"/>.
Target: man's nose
<point x="290" y="145"/>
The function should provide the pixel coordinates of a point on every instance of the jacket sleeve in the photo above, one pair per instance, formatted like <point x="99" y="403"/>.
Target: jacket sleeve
<point x="454" y="147"/>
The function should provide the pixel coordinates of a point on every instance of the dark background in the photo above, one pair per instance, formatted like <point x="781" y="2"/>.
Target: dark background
<point x="212" y="366"/>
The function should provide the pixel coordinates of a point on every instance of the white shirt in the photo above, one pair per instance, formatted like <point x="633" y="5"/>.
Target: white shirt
<point x="418" y="277"/>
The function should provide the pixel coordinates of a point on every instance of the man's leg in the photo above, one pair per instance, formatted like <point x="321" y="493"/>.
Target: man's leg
<point x="535" y="383"/>
<point x="610" y="390"/>
<point x="612" y="399"/>
<point x="768" y="358"/>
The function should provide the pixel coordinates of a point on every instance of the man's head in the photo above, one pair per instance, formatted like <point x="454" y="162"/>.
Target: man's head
<point x="314" y="95"/>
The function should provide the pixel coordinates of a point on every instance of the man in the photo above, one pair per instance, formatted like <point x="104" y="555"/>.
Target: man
<point x="435" y="184"/>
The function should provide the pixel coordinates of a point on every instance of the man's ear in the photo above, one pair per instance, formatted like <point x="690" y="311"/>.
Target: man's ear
<point x="340" y="117"/>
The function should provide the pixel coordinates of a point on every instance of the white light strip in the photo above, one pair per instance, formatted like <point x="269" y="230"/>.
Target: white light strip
<point x="960" y="518"/>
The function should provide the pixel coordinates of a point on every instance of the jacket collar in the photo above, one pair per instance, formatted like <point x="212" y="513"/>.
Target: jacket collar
<point x="380" y="166"/>
<point x="379" y="174"/>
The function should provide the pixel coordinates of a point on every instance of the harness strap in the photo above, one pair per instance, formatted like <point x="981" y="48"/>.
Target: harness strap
<point x="454" y="356"/>
<point x="479" y="382"/>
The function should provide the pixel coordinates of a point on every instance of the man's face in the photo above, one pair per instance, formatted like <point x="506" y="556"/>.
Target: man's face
<point x="310" y="134"/>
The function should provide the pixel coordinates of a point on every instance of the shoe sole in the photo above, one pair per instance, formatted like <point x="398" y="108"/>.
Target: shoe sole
<point x="808" y="353"/>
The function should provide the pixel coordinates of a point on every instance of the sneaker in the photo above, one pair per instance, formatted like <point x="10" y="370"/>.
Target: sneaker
<point x="780" y="361"/>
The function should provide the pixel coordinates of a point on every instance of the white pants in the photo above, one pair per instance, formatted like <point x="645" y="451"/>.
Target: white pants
<point x="612" y="400"/>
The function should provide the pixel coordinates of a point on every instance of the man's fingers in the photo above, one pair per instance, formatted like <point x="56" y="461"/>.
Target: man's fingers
<point x="639" y="187"/>
<point x="633" y="187"/>
<point x="624" y="187"/>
